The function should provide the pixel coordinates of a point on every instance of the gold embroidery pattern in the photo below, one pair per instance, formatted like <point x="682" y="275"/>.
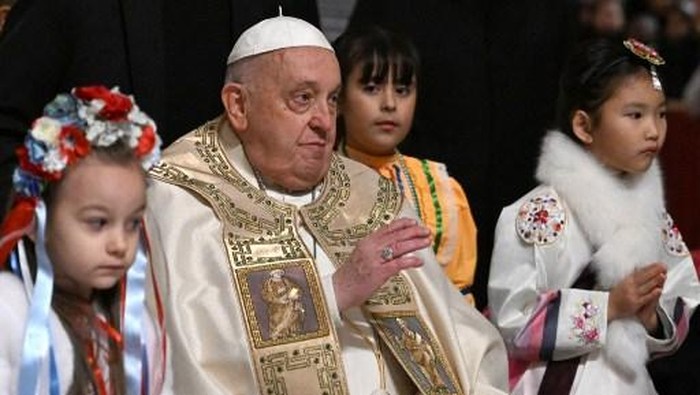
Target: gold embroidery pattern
<point x="258" y="247"/>
<point x="237" y="217"/>
<point x="209" y="149"/>
<point x="321" y="356"/>
<point x="417" y="351"/>
<point x="336" y="193"/>
<point x="394" y="292"/>
<point x="243" y="251"/>
<point x="382" y="212"/>
<point x="278" y="231"/>
<point x="262" y="241"/>
<point x="163" y="171"/>
<point x="240" y="249"/>
<point x="255" y="313"/>
<point x="415" y="345"/>
<point x="341" y="242"/>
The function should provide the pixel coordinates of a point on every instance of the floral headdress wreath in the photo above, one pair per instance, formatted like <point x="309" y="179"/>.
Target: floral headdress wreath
<point x="71" y="126"/>
<point x="650" y="55"/>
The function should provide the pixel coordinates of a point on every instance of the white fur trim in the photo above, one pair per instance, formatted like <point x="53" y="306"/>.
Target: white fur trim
<point x="621" y="216"/>
<point x="626" y="348"/>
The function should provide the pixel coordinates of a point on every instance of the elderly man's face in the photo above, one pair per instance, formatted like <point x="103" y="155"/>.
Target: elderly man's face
<point x="291" y="116"/>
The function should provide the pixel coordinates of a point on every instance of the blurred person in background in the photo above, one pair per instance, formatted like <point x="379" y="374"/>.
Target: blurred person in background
<point x="679" y="44"/>
<point x="644" y="27"/>
<point x="5" y="6"/>
<point x="607" y="18"/>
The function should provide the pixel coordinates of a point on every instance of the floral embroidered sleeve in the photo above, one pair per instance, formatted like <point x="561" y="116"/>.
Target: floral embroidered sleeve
<point x="564" y="324"/>
<point x="540" y="314"/>
<point x="681" y="292"/>
<point x="674" y="324"/>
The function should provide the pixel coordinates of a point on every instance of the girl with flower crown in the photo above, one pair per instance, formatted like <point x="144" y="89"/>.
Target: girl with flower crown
<point x="74" y="320"/>
<point x="589" y="276"/>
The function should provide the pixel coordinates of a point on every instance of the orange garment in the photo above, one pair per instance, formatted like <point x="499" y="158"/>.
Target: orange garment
<point x="442" y="205"/>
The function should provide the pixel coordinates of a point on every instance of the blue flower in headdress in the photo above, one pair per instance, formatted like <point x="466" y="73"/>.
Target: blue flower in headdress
<point x="63" y="109"/>
<point x="25" y="184"/>
<point x="36" y="150"/>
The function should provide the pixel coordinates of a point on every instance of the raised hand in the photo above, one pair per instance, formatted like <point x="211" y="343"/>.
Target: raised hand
<point x="638" y="295"/>
<point x="376" y="258"/>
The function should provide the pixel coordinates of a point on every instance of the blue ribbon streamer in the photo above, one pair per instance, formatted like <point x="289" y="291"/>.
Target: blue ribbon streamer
<point x="14" y="263"/>
<point x="53" y="366"/>
<point x="37" y="344"/>
<point x="134" y="347"/>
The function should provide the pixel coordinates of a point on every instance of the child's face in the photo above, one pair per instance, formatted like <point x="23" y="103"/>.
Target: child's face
<point x="631" y="128"/>
<point x="93" y="225"/>
<point x="377" y="116"/>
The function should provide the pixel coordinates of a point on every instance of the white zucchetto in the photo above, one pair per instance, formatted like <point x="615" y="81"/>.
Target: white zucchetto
<point x="277" y="33"/>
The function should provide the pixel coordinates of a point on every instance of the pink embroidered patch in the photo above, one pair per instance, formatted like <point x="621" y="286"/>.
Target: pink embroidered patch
<point x="541" y="219"/>
<point x="585" y="324"/>
<point x="671" y="237"/>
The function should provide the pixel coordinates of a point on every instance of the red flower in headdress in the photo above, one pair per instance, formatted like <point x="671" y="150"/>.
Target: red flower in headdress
<point x="73" y="144"/>
<point x="33" y="168"/>
<point x="146" y="141"/>
<point x="72" y="125"/>
<point x="116" y="107"/>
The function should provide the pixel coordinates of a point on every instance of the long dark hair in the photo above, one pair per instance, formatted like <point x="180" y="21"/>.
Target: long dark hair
<point x="592" y="74"/>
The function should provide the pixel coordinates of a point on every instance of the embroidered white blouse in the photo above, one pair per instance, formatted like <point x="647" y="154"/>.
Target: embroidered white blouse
<point x="584" y="215"/>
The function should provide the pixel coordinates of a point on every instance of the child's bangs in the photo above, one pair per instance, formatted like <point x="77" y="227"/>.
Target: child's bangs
<point x="377" y="66"/>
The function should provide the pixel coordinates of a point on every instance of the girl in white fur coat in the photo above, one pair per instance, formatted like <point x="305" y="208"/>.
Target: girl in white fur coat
<point x="589" y="277"/>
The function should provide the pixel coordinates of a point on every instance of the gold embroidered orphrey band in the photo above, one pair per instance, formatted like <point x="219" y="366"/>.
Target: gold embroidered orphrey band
<point x="291" y="336"/>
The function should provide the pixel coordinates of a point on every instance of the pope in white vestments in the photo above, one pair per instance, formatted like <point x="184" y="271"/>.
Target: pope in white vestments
<point x="258" y="194"/>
